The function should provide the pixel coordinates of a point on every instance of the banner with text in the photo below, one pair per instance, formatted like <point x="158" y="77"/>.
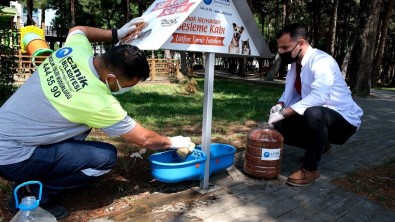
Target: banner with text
<point x="193" y="25"/>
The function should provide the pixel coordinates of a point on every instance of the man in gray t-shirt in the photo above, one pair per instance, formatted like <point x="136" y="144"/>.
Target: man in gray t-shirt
<point x="43" y="126"/>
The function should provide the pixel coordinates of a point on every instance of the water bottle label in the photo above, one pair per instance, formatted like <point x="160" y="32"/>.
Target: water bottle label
<point x="271" y="154"/>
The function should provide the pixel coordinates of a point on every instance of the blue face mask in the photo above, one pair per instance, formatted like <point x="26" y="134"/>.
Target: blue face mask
<point x="120" y="89"/>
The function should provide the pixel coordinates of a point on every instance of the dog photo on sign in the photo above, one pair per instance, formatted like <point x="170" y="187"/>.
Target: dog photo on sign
<point x="234" y="46"/>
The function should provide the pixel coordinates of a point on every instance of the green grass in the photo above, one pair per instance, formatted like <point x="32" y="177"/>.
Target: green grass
<point x="386" y="88"/>
<point x="163" y="108"/>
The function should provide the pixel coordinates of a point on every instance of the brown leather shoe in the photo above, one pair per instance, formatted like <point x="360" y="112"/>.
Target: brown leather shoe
<point x="302" y="177"/>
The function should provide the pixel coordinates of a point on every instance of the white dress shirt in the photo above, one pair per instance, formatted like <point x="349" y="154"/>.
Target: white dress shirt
<point x="322" y="85"/>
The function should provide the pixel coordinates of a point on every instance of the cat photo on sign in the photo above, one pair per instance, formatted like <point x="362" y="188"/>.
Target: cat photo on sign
<point x="245" y="46"/>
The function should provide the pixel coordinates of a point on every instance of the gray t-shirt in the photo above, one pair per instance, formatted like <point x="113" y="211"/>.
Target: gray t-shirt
<point x="28" y="119"/>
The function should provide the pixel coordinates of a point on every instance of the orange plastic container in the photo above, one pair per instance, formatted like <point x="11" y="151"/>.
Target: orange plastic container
<point x="35" y="43"/>
<point x="36" y="46"/>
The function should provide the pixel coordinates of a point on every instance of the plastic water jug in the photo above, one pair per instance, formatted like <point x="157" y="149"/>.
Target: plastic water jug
<point x="29" y="207"/>
<point x="262" y="157"/>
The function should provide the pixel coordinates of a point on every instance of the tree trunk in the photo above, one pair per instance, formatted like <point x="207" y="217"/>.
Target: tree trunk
<point x="344" y="29"/>
<point x="393" y="78"/>
<point x="365" y="47"/>
<point x="127" y="11"/>
<point x="43" y="8"/>
<point x="383" y="36"/>
<point x="385" y="76"/>
<point x="242" y="67"/>
<point x="184" y="67"/>
<point x="370" y="13"/>
<point x="332" y="29"/>
<point x="72" y="12"/>
<point x="29" y="5"/>
<point x="316" y="22"/>
<point x="286" y="12"/>
<point x="284" y="7"/>
<point x="232" y="65"/>
<point x="346" y="58"/>
<point x="274" y="69"/>
<point x="386" y="72"/>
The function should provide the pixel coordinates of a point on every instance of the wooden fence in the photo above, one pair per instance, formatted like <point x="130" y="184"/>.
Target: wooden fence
<point x="159" y="68"/>
<point x="26" y="67"/>
<point x="164" y="68"/>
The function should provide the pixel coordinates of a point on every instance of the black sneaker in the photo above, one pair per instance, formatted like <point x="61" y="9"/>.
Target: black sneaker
<point x="56" y="210"/>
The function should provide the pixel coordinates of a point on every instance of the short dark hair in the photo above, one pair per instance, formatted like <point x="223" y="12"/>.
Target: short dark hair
<point x="296" y="31"/>
<point x="128" y="61"/>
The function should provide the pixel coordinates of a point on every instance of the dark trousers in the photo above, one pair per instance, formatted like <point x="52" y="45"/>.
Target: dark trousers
<point x="58" y="166"/>
<point x="313" y="130"/>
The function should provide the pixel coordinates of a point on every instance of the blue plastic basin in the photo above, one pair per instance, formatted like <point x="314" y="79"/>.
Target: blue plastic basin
<point x="168" y="167"/>
<point x="221" y="156"/>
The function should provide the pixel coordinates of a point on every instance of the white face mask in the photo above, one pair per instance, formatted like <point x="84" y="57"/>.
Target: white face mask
<point x="121" y="90"/>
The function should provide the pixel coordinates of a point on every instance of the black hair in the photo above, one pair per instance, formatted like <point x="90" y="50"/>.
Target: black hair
<point x="296" y="31"/>
<point x="128" y="61"/>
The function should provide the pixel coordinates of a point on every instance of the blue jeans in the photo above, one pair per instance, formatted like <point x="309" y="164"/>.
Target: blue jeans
<point x="61" y="166"/>
<point x="313" y="131"/>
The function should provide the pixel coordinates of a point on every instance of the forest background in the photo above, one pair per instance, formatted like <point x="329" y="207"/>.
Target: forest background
<point x="359" y="34"/>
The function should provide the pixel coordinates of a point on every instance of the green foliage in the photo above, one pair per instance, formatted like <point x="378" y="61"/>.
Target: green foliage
<point x="62" y="21"/>
<point x="7" y="59"/>
<point x="3" y="21"/>
<point x="270" y="15"/>
<point x="106" y="12"/>
<point x="102" y="14"/>
<point x="7" y="70"/>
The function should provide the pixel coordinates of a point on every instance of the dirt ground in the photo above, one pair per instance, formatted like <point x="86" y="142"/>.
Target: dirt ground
<point x="116" y="191"/>
<point x="131" y="180"/>
<point x="376" y="184"/>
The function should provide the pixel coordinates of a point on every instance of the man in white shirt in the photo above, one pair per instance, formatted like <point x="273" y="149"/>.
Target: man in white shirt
<point x="316" y="107"/>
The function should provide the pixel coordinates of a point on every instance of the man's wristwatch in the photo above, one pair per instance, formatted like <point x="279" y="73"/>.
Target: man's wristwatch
<point x="282" y="111"/>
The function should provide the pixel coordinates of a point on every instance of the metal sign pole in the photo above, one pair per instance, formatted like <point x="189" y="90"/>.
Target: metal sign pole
<point x="207" y="114"/>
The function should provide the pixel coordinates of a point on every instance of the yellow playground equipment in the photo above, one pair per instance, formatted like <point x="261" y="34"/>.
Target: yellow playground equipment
<point x="33" y="42"/>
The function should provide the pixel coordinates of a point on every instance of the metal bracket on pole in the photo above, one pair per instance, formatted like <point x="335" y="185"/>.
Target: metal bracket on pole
<point x="207" y="114"/>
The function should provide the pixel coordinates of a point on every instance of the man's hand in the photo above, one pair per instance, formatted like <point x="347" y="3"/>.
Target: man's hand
<point x="129" y="27"/>
<point x="276" y="108"/>
<point x="185" y="151"/>
<point x="182" y="145"/>
<point x="179" y="142"/>
<point x="275" y="117"/>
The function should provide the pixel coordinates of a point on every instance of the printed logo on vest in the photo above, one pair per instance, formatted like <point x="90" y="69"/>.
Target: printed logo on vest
<point x="63" y="52"/>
